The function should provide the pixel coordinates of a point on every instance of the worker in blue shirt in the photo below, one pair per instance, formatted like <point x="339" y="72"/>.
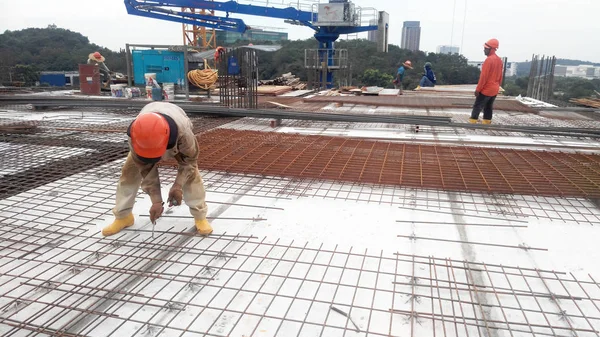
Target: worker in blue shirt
<point x="428" y="79"/>
<point x="400" y="75"/>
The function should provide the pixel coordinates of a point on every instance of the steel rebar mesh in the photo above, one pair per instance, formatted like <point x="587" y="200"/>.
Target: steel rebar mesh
<point x="382" y="162"/>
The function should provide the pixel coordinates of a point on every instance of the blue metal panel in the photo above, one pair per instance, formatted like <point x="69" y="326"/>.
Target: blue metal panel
<point x="169" y="66"/>
<point x="55" y="80"/>
<point x="138" y="67"/>
<point x="173" y="68"/>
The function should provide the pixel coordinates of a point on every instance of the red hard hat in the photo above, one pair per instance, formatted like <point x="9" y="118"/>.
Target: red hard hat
<point x="492" y="44"/>
<point x="97" y="55"/>
<point x="150" y="135"/>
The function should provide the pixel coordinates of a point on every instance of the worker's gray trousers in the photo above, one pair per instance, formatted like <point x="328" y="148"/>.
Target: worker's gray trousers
<point x="194" y="194"/>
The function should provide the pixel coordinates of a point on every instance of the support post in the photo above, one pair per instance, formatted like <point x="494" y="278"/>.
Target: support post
<point x="128" y="61"/>
<point x="504" y="73"/>
<point x="531" y="76"/>
<point x="185" y="70"/>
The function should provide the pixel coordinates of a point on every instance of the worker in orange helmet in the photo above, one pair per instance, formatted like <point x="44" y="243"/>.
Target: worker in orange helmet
<point x="400" y="75"/>
<point x="489" y="83"/>
<point x="161" y="131"/>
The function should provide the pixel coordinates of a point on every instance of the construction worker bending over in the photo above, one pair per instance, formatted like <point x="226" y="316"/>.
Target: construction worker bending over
<point x="428" y="79"/>
<point x="160" y="131"/>
<point x="489" y="83"/>
<point x="400" y="75"/>
<point x="97" y="59"/>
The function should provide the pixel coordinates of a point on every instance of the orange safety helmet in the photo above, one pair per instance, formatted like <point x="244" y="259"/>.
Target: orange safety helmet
<point x="492" y="44"/>
<point x="408" y="64"/>
<point x="150" y="135"/>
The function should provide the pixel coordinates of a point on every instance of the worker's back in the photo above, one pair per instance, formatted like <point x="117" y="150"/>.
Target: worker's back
<point x="183" y="125"/>
<point x="491" y="75"/>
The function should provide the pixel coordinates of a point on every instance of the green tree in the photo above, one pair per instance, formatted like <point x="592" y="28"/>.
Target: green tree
<point x="26" y="73"/>
<point x="515" y="86"/>
<point x="374" y="77"/>
<point x="574" y="87"/>
<point x="52" y="48"/>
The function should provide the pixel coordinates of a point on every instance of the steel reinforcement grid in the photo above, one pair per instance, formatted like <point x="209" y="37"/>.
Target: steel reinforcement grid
<point x="382" y="162"/>
<point x="58" y="144"/>
<point x="60" y="277"/>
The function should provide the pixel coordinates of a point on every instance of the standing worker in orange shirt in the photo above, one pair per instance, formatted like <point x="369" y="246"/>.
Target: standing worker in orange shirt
<point x="489" y="83"/>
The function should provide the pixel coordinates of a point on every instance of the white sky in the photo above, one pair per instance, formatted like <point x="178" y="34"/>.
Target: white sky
<point x="565" y="28"/>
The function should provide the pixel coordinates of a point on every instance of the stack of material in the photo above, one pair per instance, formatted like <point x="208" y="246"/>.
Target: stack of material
<point x="351" y="90"/>
<point x="371" y="90"/>
<point x="273" y="90"/>
<point x="288" y="79"/>
<point x="18" y="126"/>
<point x="590" y="102"/>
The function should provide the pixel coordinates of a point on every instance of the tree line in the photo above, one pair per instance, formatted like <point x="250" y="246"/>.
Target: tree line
<point x="369" y="67"/>
<point x="26" y="52"/>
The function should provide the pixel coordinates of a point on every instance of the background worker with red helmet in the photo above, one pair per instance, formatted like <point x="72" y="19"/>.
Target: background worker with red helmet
<point x="160" y="131"/>
<point x="97" y="59"/>
<point x="489" y="83"/>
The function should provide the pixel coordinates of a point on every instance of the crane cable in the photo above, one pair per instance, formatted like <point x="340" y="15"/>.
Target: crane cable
<point x="203" y="78"/>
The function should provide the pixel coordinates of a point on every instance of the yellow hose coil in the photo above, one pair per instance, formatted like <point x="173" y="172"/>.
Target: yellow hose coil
<point x="204" y="78"/>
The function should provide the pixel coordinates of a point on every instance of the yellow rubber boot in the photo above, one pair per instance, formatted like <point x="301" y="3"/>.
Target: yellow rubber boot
<point x="203" y="227"/>
<point x="118" y="225"/>
<point x="472" y="121"/>
<point x="487" y="121"/>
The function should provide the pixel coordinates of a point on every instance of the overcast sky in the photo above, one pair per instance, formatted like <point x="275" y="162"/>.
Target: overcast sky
<point x="565" y="28"/>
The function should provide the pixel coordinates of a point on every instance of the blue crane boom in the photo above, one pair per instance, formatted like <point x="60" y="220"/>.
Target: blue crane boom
<point x="325" y="33"/>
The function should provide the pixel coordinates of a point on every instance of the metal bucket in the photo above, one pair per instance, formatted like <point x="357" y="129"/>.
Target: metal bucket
<point x="157" y="94"/>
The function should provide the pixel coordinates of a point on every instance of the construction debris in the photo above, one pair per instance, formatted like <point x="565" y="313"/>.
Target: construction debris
<point x="288" y="80"/>
<point x="279" y="105"/>
<point x="346" y="315"/>
<point x="273" y="90"/>
<point x="589" y="102"/>
<point x="19" y="127"/>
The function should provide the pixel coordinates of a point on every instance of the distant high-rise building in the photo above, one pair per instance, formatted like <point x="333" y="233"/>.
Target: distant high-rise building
<point x="380" y="36"/>
<point x="411" y="35"/>
<point x="583" y="71"/>
<point x="447" y="50"/>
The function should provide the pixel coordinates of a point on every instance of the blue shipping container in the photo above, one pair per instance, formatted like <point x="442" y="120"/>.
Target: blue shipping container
<point x="54" y="79"/>
<point x="168" y="66"/>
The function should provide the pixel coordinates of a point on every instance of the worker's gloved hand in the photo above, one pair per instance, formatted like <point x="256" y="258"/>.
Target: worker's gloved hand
<point x="156" y="211"/>
<point x="476" y="93"/>
<point x="175" y="196"/>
